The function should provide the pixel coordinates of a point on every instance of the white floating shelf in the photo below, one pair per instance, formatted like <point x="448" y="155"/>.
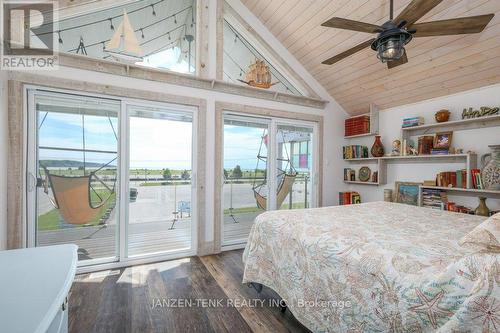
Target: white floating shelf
<point x="413" y="158"/>
<point x="360" y="182"/>
<point x="454" y="125"/>
<point x="360" y="135"/>
<point x="366" y="159"/>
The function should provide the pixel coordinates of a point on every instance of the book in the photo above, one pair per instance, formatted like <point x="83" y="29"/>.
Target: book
<point x="349" y="198"/>
<point x="435" y="151"/>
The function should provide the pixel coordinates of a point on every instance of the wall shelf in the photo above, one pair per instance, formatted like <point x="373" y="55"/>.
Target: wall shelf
<point x="454" y="125"/>
<point x="466" y="191"/>
<point x="470" y="161"/>
<point x="358" y="182"/>
<point x="359" y="135"/>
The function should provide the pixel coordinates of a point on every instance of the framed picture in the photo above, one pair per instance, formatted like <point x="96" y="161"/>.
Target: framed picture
<point x="407" y="193"/>
<point x="443" y="140"/>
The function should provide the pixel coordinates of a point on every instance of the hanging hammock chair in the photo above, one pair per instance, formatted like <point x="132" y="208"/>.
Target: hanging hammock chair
<point x="286" y="178"/>
<point x="72" y="195"/>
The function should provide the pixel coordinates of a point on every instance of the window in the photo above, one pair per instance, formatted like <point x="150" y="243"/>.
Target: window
<point x="153" y="33"/>
<point x="240" y="57"/>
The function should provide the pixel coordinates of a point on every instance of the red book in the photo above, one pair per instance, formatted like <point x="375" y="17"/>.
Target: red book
<point x="453" y="179"/>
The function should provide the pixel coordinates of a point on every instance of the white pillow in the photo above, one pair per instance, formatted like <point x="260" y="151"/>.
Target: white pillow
<point x="485" y="237"/>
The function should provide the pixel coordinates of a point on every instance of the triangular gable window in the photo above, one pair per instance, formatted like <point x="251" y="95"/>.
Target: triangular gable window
<point x="244" y="61"/>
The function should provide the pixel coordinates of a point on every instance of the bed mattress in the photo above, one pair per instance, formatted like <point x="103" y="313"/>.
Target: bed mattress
<point x="376" y="267"/>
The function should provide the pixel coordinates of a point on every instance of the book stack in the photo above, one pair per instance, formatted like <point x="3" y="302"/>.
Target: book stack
<point x="440" y="151"/>
<point x="413" y="121"/>
<point x="425" y="144"/>
<point x="349" y="174"/>
<point x="453" y="207"/>
<point x="355" y="151"/>
<point x="452" y="179"/>
<point x="477" y="182"/>
<point x="357" y="125"/>
<point x="349" y="198"/>
<point x="433" y="198"/>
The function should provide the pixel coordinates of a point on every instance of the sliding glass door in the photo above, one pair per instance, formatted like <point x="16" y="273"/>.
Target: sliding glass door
<point x="76" y="173"/>
<point x="113" y="176"/>
<point x="294" y="166"/>
<point x="245" y="172"/>
<point x="267" y="164"/>
<point x="160" y="173"/>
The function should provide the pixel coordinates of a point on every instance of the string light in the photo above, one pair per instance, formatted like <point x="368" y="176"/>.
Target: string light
<point x="235" y="38"/>
<point x="169" y="37"/>
<point x="60" y="39"/>
<point x="103" y="46"/>
<point x="142" y="33"/>
<point x="175" y="19"/>
<point x="192" y="16"/>
<point x="112" y="27"/>
<point x="153" y="7"/>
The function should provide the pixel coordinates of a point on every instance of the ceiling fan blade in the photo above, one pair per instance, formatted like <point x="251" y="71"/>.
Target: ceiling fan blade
<point x="349" y="52"/>
<point x="415" y="10"/>
<point x="342" y="23"/>
<point x="401" y="61"/>
<point x="457" y="26"/>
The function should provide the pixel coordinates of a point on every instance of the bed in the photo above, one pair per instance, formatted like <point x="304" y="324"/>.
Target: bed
<point x="380" y="267"/>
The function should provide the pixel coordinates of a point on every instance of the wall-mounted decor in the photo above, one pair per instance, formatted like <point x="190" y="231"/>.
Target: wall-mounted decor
<point x="443" y="140"/>
<point x="407" y="193"/>
<point x="258" y="75"/>
<point x="483" y="111"/>
<point x="442" y="116"/>
<point x="364" y="174"/>
<point x="377" y="148"/>
<point x="490" y="174"/>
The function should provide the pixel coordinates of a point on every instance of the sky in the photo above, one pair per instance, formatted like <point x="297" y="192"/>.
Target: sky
<point x="154" y="143"/>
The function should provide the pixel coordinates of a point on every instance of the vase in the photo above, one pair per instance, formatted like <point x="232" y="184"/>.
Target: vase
<point x="442" y="116"/>
<point x="490" y="175"/>
<point x="482" y="209"/>
<point x="377" y="148"/>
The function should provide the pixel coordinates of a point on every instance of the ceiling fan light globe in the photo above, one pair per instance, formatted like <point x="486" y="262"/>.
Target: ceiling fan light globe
<point x="390" y="49"/>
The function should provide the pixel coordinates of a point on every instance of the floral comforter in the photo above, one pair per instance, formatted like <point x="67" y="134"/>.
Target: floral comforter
<point x="376" y="267"/>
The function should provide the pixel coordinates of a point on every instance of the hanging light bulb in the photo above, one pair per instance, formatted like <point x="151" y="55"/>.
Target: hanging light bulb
<point x="111" y="26"/>
<point x="153" y="7"/>
<point x="192" y="16"/>
<point x="175" y="19"/>
<point x="169" y="37"/>
<point x="142" y="33"/>
<point x="60" y="39"/>
<point x="103" y="46"/>
<point x="235" y="38"/>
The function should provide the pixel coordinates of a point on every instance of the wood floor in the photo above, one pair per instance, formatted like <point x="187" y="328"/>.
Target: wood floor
<point x="144" y="299"/>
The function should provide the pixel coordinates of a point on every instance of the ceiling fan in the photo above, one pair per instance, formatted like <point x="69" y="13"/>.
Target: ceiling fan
<point x="394" y="34"/>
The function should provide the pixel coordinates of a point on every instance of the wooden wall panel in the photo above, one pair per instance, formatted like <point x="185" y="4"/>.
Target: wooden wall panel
<point x="437" y="66"/>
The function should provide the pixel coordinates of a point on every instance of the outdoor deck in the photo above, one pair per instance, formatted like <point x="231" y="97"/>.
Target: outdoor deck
<point x="100" y="241"/>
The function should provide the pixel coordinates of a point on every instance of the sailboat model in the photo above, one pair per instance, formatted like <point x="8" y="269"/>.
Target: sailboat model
<point x="124" y="46"/>
<point x="258" y="75"/>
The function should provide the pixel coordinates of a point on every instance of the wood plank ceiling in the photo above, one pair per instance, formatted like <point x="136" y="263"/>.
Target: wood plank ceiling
<point x="437" y="66"/>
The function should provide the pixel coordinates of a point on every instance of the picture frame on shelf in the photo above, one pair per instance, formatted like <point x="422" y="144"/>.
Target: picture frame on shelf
<point x="442" y="140"/>
<point x="407" y="193"/>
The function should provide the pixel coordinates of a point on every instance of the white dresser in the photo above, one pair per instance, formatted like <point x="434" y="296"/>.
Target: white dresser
<point x="34" y="285"/>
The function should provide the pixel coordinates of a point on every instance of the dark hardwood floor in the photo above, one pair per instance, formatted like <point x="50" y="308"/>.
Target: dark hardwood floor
<point x="186" y="295"/>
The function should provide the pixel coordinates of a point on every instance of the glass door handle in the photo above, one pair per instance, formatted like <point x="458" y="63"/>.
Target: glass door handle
<point x="32" y="182"/>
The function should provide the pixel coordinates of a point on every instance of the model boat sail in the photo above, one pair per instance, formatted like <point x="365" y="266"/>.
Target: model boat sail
<point x="258" y="75"/>
<point x="129" y="50"/>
